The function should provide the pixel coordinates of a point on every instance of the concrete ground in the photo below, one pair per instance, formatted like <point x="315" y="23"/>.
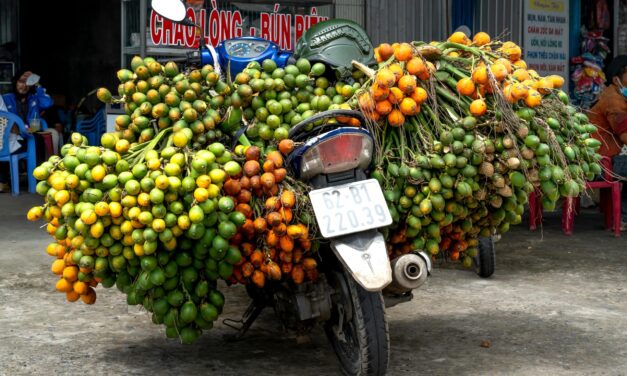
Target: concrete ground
<point x="556" y="305"/>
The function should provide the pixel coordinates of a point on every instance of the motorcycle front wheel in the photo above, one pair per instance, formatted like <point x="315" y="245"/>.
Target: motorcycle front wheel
<point x="358" y="328"/>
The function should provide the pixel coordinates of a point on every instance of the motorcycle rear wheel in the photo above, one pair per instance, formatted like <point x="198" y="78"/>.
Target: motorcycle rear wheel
<point x="363" y="344"/>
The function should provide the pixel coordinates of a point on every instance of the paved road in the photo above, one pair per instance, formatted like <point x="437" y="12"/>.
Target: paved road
<point x="557" y="305"/>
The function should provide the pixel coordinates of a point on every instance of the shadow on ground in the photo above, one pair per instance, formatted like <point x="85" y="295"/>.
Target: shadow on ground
<point x="556" y="305"/>
<point x="429" y="345"/>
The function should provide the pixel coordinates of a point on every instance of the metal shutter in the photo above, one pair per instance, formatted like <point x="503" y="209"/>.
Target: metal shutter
<point x="407" y="20"/>
<point x="500" y="18"/>
<point x="354" y="10"/>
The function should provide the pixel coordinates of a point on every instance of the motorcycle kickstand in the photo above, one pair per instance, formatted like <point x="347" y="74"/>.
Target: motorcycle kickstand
<point x="242" y="325"/>
<point x="339" y="328"/>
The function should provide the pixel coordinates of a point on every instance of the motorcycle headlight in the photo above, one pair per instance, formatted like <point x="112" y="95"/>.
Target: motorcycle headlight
<point x="342" y="152"/>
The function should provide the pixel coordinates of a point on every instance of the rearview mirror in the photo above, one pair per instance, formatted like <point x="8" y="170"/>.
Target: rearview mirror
<point x="173" y="10"/>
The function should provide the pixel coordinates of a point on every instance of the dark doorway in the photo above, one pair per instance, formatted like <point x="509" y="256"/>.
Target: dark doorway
<point x="73" y="45"/>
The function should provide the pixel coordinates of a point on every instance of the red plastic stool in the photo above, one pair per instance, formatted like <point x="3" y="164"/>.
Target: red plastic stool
<point x="610" y="203"/>
<point x="45" y="138"/>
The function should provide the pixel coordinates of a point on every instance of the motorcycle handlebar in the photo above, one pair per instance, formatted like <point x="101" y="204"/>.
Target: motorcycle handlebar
<point x="174" y="59"/>
<point x="325" y="115"/>
<point x="189" y="58"/>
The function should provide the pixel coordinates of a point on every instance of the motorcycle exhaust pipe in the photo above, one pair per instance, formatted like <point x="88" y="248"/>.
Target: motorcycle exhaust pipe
<point x="409" y="272"/>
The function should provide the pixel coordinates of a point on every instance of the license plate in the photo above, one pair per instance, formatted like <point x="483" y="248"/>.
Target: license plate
<point x="350" y="208"/>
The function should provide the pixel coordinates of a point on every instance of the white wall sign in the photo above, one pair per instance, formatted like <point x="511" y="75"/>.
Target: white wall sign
<point x="546" y="37"/>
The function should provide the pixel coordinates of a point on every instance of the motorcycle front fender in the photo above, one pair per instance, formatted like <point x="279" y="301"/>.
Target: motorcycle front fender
<point x="365" y="257"/>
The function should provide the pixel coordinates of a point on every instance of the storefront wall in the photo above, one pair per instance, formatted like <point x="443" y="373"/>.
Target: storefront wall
<point x="384" y="20"/>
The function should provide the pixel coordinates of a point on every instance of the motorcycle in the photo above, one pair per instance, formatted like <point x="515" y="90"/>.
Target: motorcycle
<point x="358" y="281"/>
<point x="232" y="55"/>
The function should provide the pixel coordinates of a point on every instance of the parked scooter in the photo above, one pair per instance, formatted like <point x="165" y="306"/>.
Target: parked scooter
<point x="358" y="280"/>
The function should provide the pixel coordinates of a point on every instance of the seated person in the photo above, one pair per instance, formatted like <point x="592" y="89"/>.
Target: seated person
<point x="27" y="102"/>
<point x="609" y="114"/>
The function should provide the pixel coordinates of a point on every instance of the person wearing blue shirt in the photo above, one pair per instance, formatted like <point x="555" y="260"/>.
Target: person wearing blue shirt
<point x="27" y="102"/>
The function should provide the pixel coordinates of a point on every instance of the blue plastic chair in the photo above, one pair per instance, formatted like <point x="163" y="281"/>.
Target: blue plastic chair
<point x="7" y="120"/>
<point x="93" y="128"/>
